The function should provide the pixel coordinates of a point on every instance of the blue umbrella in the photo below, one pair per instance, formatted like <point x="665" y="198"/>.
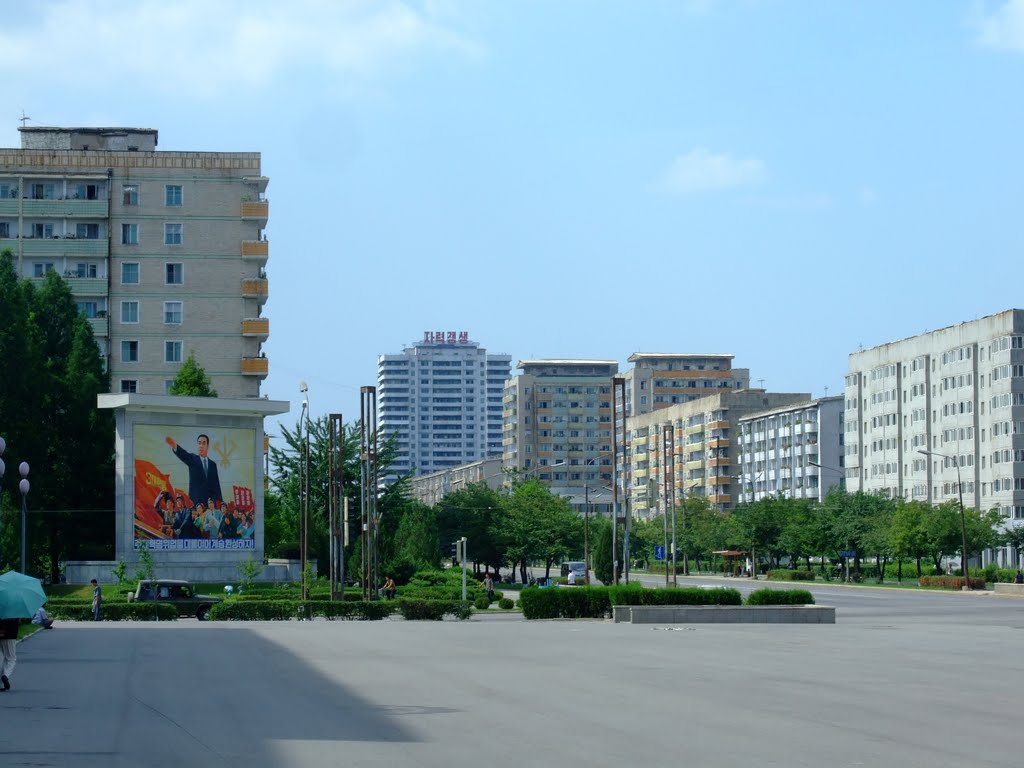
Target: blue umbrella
<point x="20" y="596"/>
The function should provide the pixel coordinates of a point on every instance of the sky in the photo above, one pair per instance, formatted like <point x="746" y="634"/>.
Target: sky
<point x="787" y="181"/>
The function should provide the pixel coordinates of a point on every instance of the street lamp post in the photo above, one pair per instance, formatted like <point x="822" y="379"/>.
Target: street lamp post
<point x="963" y="519"/>
<point x="23" y="487"/>
<point x="304" y="493"/>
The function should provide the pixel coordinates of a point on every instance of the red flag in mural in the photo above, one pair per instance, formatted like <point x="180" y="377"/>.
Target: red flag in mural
<point x="150" y="482"/>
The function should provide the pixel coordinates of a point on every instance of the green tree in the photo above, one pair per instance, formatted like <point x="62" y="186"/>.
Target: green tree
<point x="192" y="380"/>
<point x="908" y="536"/>
<point x="50" y="420"/>
<point x="476" y="512"/>
<point x="540" y="527"/>
<point x="601" y="548"/>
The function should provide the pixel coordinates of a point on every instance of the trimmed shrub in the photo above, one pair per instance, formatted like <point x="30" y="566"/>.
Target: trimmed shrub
<point x="505" y="603"/>
<point x="637" y="595"/>
<point x="82" y="611"/>
<point x="253" y="610"/>
<point x="441" y="585"/>
<point x="433" y="610"/>
<point x="780" y="597"/>
<point x="597" y="602"/>
<point x="950" y="582"/>
<point x="482" y="603"/>
<point x="788" y="575"/>
<point x="283" y="610"/>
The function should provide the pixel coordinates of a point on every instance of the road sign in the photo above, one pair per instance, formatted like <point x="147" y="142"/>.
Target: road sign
<point x="659" y="553"/>
<point x="848" y="553"/>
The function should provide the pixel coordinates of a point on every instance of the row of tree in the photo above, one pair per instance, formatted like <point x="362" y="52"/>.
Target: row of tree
<point x="52" y="372"/>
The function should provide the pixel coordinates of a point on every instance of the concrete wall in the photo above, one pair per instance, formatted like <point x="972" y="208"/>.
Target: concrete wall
<point x="724" y="614"/>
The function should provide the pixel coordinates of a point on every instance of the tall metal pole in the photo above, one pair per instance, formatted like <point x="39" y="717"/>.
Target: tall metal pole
<point x="620" y="383"/>
<point x="615" y="485"/>
<point x="586" y="530"/>
<point x="669" y="463"/>
<point x="336" y="504"/>
<point x="963" y="528"/>
<point x="304" y="492"/>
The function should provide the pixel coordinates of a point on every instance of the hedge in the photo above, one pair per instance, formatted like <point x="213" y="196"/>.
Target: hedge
<point x="283" y="610"/>
<point x="82" y="611"/>
<point x="597" y="602"/>
<point x="950" y="582"/>
<point x="780" y="597"/>
<point x="433" y="610"/>
<point x="788" y="575"/>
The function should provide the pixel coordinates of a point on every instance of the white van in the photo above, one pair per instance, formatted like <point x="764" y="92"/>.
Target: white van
<point x="576" y="567"/>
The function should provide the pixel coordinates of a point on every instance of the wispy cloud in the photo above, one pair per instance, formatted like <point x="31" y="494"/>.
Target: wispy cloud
<point x="700" y="171"/>
<point x="1003" y="28"/>
<point x="204" y="47"/>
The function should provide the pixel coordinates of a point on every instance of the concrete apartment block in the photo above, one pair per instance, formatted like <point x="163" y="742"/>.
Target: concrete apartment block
<point x="165" y="252"/>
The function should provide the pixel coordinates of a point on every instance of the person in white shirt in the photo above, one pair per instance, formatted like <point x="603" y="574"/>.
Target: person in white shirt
<point x="42" y="618"/>
<point x="572" y="578"/>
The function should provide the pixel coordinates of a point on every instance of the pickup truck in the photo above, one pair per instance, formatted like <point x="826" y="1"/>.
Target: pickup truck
<point x="174" y="592"/>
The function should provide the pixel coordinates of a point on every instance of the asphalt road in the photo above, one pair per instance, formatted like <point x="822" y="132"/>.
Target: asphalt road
<point x="905" y="679"/>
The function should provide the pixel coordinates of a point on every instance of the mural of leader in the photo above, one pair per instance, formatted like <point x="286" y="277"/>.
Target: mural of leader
<point x="203" y="480"/>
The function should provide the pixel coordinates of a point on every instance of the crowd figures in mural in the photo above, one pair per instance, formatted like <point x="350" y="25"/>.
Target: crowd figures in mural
<point x="179" y="499"/>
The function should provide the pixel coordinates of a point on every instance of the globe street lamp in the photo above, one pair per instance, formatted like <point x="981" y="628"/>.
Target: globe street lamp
<point x="23" y="486"/>
<point x="963" y="520"/>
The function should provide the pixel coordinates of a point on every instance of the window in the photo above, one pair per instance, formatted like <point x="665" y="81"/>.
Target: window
<point x="8" y="190"/>
<point x="172" y="351"/>
<point x="5" y="229"/>
<point x="88" y="308"/>
<point x="130" y="273"/>
<point x="172" y="313"/>
<point x="40" y="268"/>
<point x="87" y="231"/>
<point x="172" y="234"/>
<point x="129" y="234"/>
<point x="42" y="191"/>
<point x="87" y="192"/>
<point x="168" y="383"/>
<point x="130" y="194"/>
<point x="172" y="195"/>
<point x="86" y="270"/>
<point x="129" y="386"/>
<point x="129" y="351"/>
<point x="175" y="273"/>
<point x="129" y="311"/>
<point x="42" y="230"/>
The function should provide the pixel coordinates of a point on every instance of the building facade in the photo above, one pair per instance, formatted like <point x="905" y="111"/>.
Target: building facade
<point x="794" y="451"/>
<point x="164" y="252"/>
<point x="690" y="449"/>
<point x="662" y="379"/>
<point x="440" y="398"/>
<point x="934" y="414"/>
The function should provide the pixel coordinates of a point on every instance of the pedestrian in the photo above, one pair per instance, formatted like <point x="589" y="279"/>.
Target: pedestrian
<point x="42" y="618"/>
<point x="572" y="578"/>
<point x="1019" y="578"/>
<point x="8" y="650"/>
<point x="97" y="601"/>
<point x="489" y="586"/>
<point x="389" y="590"/>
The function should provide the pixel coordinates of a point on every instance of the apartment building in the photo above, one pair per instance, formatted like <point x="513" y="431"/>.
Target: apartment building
<point x="441" y="399"/>
<point x="939" y="412"/>
<point x="795" y="451"/>
<point x="164" y="252"/>
<point x="662" y="379"/>
<point x="691" y="449"/>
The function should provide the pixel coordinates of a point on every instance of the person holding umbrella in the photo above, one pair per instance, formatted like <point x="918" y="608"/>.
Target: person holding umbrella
<point x="20" y="597"/>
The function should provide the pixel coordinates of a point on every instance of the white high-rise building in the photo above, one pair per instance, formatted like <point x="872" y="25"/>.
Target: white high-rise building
<point x="956" y="393"/>
<point x="441" y="400"/>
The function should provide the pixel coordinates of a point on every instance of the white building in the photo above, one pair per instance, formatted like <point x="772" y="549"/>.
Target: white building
<point x="795" y="450"/>
<point x="957" y="393"/>
<point x="441" y="399"/>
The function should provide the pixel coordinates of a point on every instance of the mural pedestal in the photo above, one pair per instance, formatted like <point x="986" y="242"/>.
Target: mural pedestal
<point x="189" y="483"/>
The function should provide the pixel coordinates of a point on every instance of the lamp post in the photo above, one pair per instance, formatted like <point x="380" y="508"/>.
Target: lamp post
<point x="963" y="520"/>
<point x="304" y="493"/>
<point x="23" y="487"/>
<point x="3" y="447"/>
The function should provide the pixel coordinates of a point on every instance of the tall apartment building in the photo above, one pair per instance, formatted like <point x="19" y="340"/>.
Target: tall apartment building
<point x="164" y="251"/>
<point x="958" y="393"/>
<point x="661" y="379"/>
<point x="794" y="450"/>
<point x="691" y="448"/>
<point x="441" y="399"/>
<point x="558" y="426"/>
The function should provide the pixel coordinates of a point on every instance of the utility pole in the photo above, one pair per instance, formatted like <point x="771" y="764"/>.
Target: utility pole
<point x="368" y="489"/>
<point x="337" y="503"/>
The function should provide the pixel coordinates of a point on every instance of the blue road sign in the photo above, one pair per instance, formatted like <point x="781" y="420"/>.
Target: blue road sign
<point x="659" y="553"/>
<point x="848" y="553"/>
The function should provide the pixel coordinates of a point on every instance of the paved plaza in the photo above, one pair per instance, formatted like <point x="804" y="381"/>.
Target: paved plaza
<point x="873" y="690"/>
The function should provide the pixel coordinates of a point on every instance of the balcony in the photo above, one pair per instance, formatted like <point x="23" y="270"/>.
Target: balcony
<point x="257" y="210"/>
<point x="87" y="286"/>
<point x="99" y="326"/>
<point x="34" y="247"/>
<point x="719" y="480"/>
<point x="718" y="442"/>
<point x="255" y="366"/>
<point x="256" y="288"/>
<point x="719" y="462"/>
<point x="256" y="250"/>
<point x="259" y="327"/>
<point x="260" y="182"/>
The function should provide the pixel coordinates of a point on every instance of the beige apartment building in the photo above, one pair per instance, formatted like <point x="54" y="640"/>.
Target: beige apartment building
<point x="165" y="252"/>
<point x="663" y="379"/>
<point x="691" y="449"/>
